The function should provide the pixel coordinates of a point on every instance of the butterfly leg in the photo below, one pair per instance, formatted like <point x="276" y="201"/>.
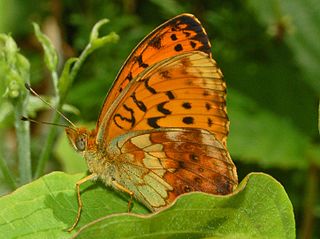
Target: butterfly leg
<point x="124" y="189"/>
<point x="81" y="181"/>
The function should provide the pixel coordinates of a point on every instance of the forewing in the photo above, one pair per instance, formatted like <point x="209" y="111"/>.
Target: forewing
<point x="187" y="90"/>
<point x="183" y="33"/>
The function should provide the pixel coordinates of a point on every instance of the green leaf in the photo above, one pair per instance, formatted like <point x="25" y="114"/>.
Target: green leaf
<point x="14" y="69"/>
<point x="96" y="41"/>
<point x="95" y="30"/>
<point x="50" y="54"/>
<point x="65" y="80"/>
<point x="260" y="208"/>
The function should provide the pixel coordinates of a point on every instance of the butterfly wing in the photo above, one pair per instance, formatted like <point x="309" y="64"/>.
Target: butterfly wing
<point x="186" y="90"/>
<point x="183" y="33"/>
<point x="158" y="165"/>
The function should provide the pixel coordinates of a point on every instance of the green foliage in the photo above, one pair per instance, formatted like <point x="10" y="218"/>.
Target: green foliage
<point x="50" y="54"/>
<point x="259" y="208"/>
<point x="14" y="72"/>
<point x="244" y="135"/>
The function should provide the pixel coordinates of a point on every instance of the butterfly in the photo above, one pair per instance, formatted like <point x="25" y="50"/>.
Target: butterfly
<point x="163" y="126"/>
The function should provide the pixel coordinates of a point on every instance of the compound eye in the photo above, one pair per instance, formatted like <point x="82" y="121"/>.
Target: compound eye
<point x="81" y="143"/>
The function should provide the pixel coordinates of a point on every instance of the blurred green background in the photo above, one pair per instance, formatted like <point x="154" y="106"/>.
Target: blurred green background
<point x="269" y="53"/>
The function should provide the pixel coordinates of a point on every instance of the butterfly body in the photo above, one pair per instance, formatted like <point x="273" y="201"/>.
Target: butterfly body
<point x="163" y="127"/>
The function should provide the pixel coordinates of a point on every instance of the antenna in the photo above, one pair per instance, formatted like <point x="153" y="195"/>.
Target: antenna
<point x="23" y="118"/>
<point x="44" y="101"/>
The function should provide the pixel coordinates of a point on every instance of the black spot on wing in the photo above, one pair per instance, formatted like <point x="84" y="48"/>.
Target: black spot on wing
<point x="129" y="76"/>
<point x="206" y="93"/>
<point x="131" y="120"/>
<point x="173" y="37"/>
<point x="139" y="103"/>
<point x="148" y="87"/>
<point x="165" y="74"/>
<point x="208" y="106"/>
<point x="140" y="61"/>
<point x="188" y="120"/>
<point x="201" y="36"/>
<point x="170" y="95"/>
<point x="152" y="122"/>
<point x="187" y="34"/>
<point x="187" y="24"/>
<point x="186" y="105"/>
<point x="155" y="42"/>
<point x="178" y="47"/>
<point x="163" y="110"/>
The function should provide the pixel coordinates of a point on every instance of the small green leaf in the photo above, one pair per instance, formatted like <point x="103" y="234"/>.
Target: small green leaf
<point x="260" y="208"/>
<point x="65" y="80"/>
<point x="95" y="30"/>
<point x="8" y="49"/>
<point x="112" y="37"/>
<point x="14" y="69"/>
<point x="50" y="54"/>
<point x="96" y="41"/>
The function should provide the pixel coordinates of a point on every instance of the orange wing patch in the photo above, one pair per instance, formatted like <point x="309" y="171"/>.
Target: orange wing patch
<point x="190" y="94"/>
<point x="183" y="33"/>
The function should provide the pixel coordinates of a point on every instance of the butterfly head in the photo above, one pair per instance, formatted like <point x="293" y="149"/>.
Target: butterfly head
<point x="78" y="137"/>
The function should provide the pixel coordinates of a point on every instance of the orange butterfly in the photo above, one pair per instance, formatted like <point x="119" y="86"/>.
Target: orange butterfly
<point x="163" y="126"/>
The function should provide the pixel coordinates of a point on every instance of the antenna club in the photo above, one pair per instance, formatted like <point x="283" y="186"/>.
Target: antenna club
<point x="27" y="86"/>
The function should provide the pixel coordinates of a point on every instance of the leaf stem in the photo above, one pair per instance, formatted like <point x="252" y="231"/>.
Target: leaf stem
<point x="23" y="139"/>
<point x="55" y="79"/>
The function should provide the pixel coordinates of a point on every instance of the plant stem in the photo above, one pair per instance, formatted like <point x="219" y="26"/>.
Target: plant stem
<point x="46" y="150"/>
<point x="45" y="153"/>
<point x="75" y="69"/>
<point x="23" y="139"/>
<point x="55" y="79"/>
<point x="310" y="201"/>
